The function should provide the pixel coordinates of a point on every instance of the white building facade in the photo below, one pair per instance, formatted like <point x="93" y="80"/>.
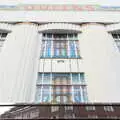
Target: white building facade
<point x="59" y="56"/>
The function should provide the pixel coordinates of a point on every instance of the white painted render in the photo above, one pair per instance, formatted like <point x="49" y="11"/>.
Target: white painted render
<point x="20" y="59"/>
<point x="62" y="16"/>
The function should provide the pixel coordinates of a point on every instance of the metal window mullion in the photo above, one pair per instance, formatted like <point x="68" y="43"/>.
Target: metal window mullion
<point x="81" y="92"/>
<point x="68" y="48"/>
<point x="75" y="48"/>
<point x="79" y="78"/>
<point x="52" y="46"/>
<point x="50" y="86"/>
<point x="45" y="50"/>
<point x="72" y="88"/>
<point x="42" y="85"/>
<point x="118" y="37"/>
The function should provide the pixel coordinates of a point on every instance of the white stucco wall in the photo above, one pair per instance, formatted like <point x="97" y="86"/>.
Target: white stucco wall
<point x="19" y="63"/>
<point x="99" y="61"/>
<point x="62" y="16"/>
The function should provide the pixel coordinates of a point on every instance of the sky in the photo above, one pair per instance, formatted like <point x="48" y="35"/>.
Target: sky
<point x="98" y="2"/>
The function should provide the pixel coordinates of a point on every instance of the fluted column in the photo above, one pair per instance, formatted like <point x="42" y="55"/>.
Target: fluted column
<point x="98" y="54"/>
<point x="18" y="62"/>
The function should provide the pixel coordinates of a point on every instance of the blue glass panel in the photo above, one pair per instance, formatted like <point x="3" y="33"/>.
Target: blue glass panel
<point x="46" y="98"/>
<point x="46" y="78"/>
<point x="57" y="52"/>
<point x="46" y="94"/>
<point x="39" y="80"/>
<point x="63" y="52"/>
<point x="77" y="94"/>
<point x="72" y="49"/>
<point x="61" y="74"/>
<point x="38" y="94"/>
<point x="48" y="49"/>
<point x="84" y="92"/>
<point x="75" y="78"/>
<point x="77" y="49"/>
<point x="82" y="77"/>
<point x="57" y="90"/>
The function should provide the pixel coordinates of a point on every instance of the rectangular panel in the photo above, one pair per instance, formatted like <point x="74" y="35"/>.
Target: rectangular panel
<point x="74" y="65"/>
<point x="60" y="65"/>
<point x="47" y="65"/>
<point x="38" y="94"/>
<point x="41" y="61"/>
<point x="46" y="94"/>
<point x="81" y="65"/>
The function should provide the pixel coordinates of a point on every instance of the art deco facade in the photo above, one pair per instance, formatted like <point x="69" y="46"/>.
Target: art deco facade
<point x="59" y="56"/>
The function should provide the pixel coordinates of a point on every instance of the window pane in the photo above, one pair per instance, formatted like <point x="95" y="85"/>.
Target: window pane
<point x="60" y="49"/>
<point x="115" y="36"/>
<point x="77" y="94"/>
<point x="4" y="35"/>
<point x="46" y="94"/>
<point x="38" y="94"/>
<point x="48" y="48"/>
<point x="72" y="49"/>
<point x="119" y="36"/>
<point x="60" y="46"/>
<point x="62" y="79"/>
<point x="39" y="80"/>
<point x="63" y="52"/>
<point x="61" y="88"/>
<point x="75" y="78"/>
<point x="84" y="92"/>
<point x="46" y="79"/>
<point x="77" y="48"/>
<point x="82" y="77"/>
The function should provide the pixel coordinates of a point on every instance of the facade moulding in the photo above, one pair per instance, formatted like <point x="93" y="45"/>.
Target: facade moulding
<point x="6" y="27"/>
<point x="59" y="26"/>
<point x="113" y="27"/>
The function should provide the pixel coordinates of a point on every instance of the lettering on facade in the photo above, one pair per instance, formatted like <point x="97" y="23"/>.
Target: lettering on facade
<point x="58" y="7"/>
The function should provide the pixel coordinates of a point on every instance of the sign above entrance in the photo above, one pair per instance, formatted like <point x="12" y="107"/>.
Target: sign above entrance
<point x="59" y="7"/>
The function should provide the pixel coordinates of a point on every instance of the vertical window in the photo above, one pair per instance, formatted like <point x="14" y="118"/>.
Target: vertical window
<point x="82" y="77"/>
<point x="54" y="108"/>
<point x="77" y="48"/>
<point x="39" y="80"/>
<point x="108" y="108"/>
<point x="58" y="88"/>
<point x="68" y="108"/>
<point x="46" y="79"/>
<point x="61" y="79"/>
<point x="116" y="37"/>
<point x="60" y="46"/>
<point x="77" y="94"/>
<point x="72" y="49"/>
<point x="2" y="39"/>
<point x="45" y="94"/>
<point x="38" y="94"/>
<point x="75" y="78"/>
<point x="84" y="93"/>
<point x="90" y="108"/>
<point x="48" y="49"/>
